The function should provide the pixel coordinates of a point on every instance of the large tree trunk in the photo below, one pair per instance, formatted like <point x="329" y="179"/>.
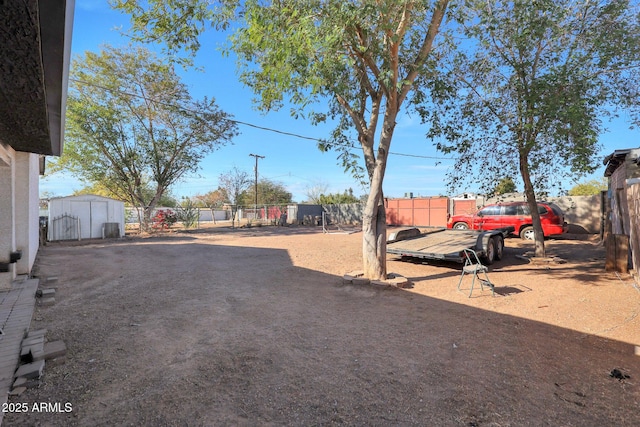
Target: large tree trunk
<point x="533" y="206"/>
<point x="374" y="237"/>
<point x="374" y="221"/>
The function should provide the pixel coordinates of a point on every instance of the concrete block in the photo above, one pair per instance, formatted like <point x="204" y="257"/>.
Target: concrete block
<point x="381" y="283"/>
<point x="50" y="292"/>
<point x="360" y="281"/>
<point x="45" y="293"/>
<point x="32" y="341"/>
<point x="37" y="333"/>
<point x="17" y="391"/>
<point x="47" y="301"/>
<point x="54" y="349"/>
<point x="30" y="370"/>
<point x="32" y="352"/>
<point x="398" y="281"/>
<point x="356" y="273"/>
<point x="347" y="279"/>
<point x="25" y="382"/>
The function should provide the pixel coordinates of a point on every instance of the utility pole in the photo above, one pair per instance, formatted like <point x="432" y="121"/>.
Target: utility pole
<point x="256" y="183"/>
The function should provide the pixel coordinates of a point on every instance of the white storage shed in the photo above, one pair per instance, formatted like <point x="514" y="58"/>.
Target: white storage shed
<point x="85" y="217"/>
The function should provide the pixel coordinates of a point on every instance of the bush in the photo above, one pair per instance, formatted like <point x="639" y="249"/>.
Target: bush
<point x="188" y="214"/>
<point x="164" y="219"/>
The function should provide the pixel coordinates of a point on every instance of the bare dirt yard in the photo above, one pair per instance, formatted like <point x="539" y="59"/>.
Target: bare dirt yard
<point x="249" y="327"/>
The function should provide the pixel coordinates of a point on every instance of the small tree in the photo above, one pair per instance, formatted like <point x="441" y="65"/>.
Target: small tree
<point x="234" y="183"/>
<point x="132" y="126"/>
<point x="188" y="214"/>
<point x="212" y="200"/>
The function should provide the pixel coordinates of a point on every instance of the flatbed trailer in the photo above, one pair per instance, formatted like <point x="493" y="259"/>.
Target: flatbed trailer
<point x="439" y="243"/>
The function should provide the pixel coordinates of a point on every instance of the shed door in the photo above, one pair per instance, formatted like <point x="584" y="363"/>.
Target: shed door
<point x="92" y="215"/>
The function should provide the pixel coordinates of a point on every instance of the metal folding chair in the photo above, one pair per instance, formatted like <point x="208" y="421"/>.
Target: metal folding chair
<point x="472" y="265"/>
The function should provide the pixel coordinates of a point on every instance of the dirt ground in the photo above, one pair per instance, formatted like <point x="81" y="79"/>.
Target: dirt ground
<point x="255" y="327"/>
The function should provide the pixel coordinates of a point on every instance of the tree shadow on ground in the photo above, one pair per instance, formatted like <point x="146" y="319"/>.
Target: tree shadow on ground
<point x="227" y="335"/>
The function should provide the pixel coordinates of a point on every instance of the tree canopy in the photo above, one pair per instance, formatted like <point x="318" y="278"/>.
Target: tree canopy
<point x="504" y="186"/>
<point x="529" y="91"/>
<point x="133" y="127"/>
<point x="212" y="199"/>
<point x="589" y="188"/>
<point x="338" y="198"/>
<point x="269" y="193"/>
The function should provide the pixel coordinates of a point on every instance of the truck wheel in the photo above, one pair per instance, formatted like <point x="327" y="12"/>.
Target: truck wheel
<point x="490" y="254"/>
<point x="527" y="233"/>
<point x="499" y="247"/>
<point x="460" y="226"/>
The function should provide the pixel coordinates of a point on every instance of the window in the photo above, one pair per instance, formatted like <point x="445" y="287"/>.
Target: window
<point x="511" y="210"/>
<point x="489" y="211"/>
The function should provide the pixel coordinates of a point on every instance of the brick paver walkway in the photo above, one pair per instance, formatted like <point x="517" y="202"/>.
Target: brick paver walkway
<point x="16" y="310"/>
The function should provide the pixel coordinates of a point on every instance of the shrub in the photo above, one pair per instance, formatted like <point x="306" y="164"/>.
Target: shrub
<point x="164" y="219"/>
<point x="188" y="214"/>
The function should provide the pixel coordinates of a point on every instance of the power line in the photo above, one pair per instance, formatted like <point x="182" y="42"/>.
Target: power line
<point x="295" y="135"/>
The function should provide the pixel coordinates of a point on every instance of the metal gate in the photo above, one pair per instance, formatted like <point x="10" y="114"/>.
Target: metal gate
<point x="65" y="227"/>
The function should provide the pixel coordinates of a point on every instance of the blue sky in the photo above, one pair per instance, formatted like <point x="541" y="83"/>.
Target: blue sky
<point x="296" y="163"/>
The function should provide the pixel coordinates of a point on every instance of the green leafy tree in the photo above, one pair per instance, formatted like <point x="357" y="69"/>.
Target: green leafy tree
<point x="367" y="58"/>
<point x="589" y="188"/>
<point x="506" y="185"/>
<point x="338" y="198"/>
<point x="269" y="193"/>
<point x="528" y="95"/>
<point x="167" y="200"/>
<point x="132" y="126"/>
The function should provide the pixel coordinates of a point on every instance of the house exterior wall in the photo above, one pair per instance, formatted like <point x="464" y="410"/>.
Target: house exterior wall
<point x="19" y="226"/>
<point x="7" y="214"/>
<point x="27" y="210"/>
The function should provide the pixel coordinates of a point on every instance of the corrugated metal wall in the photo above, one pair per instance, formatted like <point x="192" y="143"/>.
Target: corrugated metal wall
<point x="633" y="203"/>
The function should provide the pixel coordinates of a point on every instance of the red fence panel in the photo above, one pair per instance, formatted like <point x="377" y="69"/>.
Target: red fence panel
<point x="418" y="212"/>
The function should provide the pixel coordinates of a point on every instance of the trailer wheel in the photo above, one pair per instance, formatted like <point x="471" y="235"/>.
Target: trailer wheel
<point x="490" y="254"/>
<point x="499" y="247"/>
<point x="460" y="226"/>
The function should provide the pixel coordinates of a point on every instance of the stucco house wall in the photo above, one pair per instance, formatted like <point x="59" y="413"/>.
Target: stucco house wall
<point x="35" y="48"/>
